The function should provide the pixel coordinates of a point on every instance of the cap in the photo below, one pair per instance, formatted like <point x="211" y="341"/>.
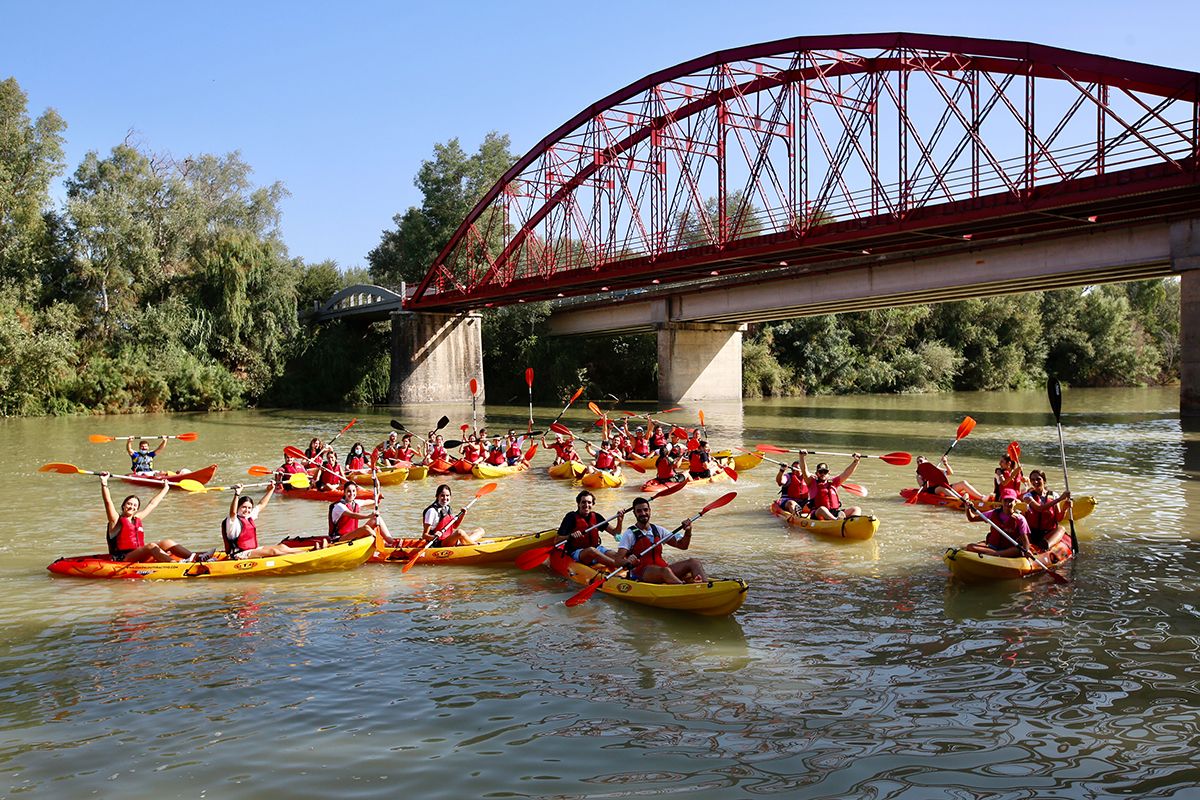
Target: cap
<point x="1008" y="494"/>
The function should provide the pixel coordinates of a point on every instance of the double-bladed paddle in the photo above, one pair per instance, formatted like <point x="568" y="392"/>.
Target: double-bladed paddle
<point x="529" y="382"/>
<point x="896" y="459"/>
<point x="935" y="477"/>
<point x="536" y="557"/>
<point x="297" y="480"/>
<point x="100" y="438"/>
<point x="964" y="429"/>
<point x="448" y="525"/>
<point x="586" y="593"/>
<point x="1054" y="390"/>
<point x="62" y="468"/>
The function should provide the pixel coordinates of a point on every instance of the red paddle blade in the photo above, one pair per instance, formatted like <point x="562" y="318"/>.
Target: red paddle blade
<point x="680" y="432"/>
<point x="854" y="488"/>
<point x="897" y="459"/>
<point x="558" y="427"/>
<point x="669" y="410"/>
<point x="259" y="471"/>
<point x="575" y="396"/>
<point x="586" y="593"/>
<point x="533" y="558"/>
<point x="731" y="472"/>
<point x="723" y="500"/>
<point x="474" y="384"/>
<point x="672" y="489"/>
<point x="932" y="475"/>
<point x="349" y="425"/>
<point x="294" y="452"/>
<point x="965" y="428"/>
<point x="1014" y="451"/>
<point x="770" y="448"/>
<point x="188" y="437"/>
<point x="530" y="453"/>
<point x="59" y="467"/>
<point x="636" y="467"/>
<point x="529" y="377"/>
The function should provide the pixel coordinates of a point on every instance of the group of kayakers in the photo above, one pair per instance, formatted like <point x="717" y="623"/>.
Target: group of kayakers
<point x="814" y="494"/>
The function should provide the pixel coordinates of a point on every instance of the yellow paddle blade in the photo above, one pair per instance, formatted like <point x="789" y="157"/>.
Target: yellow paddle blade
<point x="59" y="467"/>
<point x="99" y="438"/>
<point x="298" y="481"/>
<point x="189" y="485"/>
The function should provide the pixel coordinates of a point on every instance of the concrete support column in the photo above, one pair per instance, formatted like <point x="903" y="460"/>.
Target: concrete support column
<point x="434" y="357"/>
<point x="1185" y="259"/>
<point x="699" y="361"/>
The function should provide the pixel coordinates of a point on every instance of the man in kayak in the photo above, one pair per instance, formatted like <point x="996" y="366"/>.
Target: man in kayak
<point x="346" y="514"/>
<point x="823" y="497"/>
<point x="143" y="458"/>
<point x="239" y="530"/>
<point x="126" y="538"/>
<point x="1008" y="519"/>
<point x="434" y="525"/>
<point x="793" y="489"/>
<point x="580" y="532"/>
<point x="640" y="549"/>
<point x="561" y="449"/>
<point x="1044" y="512"/>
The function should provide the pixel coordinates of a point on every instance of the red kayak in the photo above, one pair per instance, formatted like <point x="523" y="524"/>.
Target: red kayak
<point x="440" y="466"/>
<point x="200" y="476"/>
<point x="329" y="495"/>
<point x="463" y="467"/>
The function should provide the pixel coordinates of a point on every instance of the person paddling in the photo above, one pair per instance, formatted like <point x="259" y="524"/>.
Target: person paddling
<point x="822" y="490"/>
<point x="581" y="531"/>
<point x="329" y="474"/>
<point x="1044" y="512"/>
<point x="346" y="514"/>
<point x="665" y="466"/>
<point x="606" y="459"/>
<point x="142" y="459"/>
<point x="239" y="530"/>
<point x="433" y="520"/>
<point x="962" y="487"/>
<point x="1009" y="520"/>
<point x="125" y="535"/>
<point x="699" y="460"/>
<point x="793" y="489"/>
<point x="640" y="549"/>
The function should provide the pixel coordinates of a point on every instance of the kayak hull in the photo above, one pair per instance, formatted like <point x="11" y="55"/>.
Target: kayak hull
<point x="654" y="485"/>
<point x="418" y="472"/>
<point x="860" y="528"/>
<point x="602" y="480"/>
<point x="716" y="598"/>
<point x="327" y="496"/>
<point x="975" y="567"/>
<point x="1084" y="505"/>
<point x="203" y="475"/>
<point x="387" y="477"/>
<point x="489" y="550"/>
<point x="746" y="461"/>
<point x="567" y="470"/>
<point x="492" y="472"/>
<point x="346" y="555"/>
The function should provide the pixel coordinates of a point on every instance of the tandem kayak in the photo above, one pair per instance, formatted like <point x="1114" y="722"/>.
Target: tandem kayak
<point x="1083" y="505"/>
<point x="601" y="479"/>
<point x="200" y="476"/>
<point x="860" y="527"/>
<point x="493" y="471"/>
<point x="716" y="598"/>
<point x="387" y="477"/>
<point x="655" y="485"/>
<point x="346" y="555"/>
<point x="326" y="495"/>
<point x="567" y="470"/>
<point x="488" y="550"/>
<point x="967" y="565"/>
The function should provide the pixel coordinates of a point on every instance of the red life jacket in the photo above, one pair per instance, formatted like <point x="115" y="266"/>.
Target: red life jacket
<point x="438" y="453"/>
<point x="605" y="460"/>
<point x="513" y="452"/>
<point x="331" y="475"/>
<point x="664" y="468"/>
<point x="577" y="540"/>
<point x="824" y="493"/>
<point x="698" y="461"/>
<point x="794" y="488"/>
<point x="403" y="454"/>
<point x="356" y="462"/>
<point x="641" y="541"/>
<point x="345" y="524"/>
<point x="1043" y="521"/>
<point x="1010" y="524"/>
<point x="246" y="540"/>
<point x="569" y="454"/>
<point x="658" y="440"/>
<point x="641" y="446"/>
<point x="470" y="452"/>
<point x="129" y="535"/>
<point x="496" y="458"/>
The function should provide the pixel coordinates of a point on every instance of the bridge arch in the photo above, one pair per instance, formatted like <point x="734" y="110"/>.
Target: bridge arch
<point x="819" y="148"/>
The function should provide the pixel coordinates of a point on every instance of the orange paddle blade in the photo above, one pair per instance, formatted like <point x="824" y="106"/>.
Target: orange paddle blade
<point x="702" y="416"/>
<point x="586" y="593"/>
<point x="188" y="437"/>
<point x="965" y="428"/>
<point x="558" y="427"/>
<point x="487" y="488"/>
<point x="60" y="468"/>
<point x="530" y="453"/>
<point x="293" y="452"/>
<point x="258" y="470"/>
<point x="595" y="409"/>
<point x="99" y="438"/>
<point x="770" y="448"/>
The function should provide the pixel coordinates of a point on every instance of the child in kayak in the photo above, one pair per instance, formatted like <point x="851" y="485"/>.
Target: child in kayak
<point x="143" y="458"/>
<point x="126" y="538"/>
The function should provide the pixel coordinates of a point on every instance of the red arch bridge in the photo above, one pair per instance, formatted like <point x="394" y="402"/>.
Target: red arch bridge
<point x="822" y="174"/>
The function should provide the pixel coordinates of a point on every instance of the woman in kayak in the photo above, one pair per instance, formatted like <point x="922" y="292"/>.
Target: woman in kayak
<point x="640" y="549"/>
<point x="1044" y="512"/>
<point x="823" y="498"/>
<point x="329" y="474"/>
<point x="1008" y="519"/>
<point x="315" y="448"/>
<point x="356" y="459"/>
<point x="699" y="461"/>
<point x="962" y="487"/>
<point x="143" y="458"/>
<point x="346" y="514"/>
<point x="126" y="538"/>
<point x="435" y="524"/>
<point x="580" y="532"/>
<point x="239" y="530"/>
<point x="793" y="489"/>
<point x="666" y="465"/>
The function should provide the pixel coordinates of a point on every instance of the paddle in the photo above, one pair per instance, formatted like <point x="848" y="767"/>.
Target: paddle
<point x="896" y="459"/>
<point x="474" y="386"/>
<point x="398" y="425"/>
<point x="964" y="429"/>
<point x="349" y="425"/>
<point x="448" y="525"/>
<point x="603" y="421"/>
<point x="296" y="481"/>
<point x="703" y="430"/>
<point x="852" y="488"/>
<point x="100" y="438"/>
<point x="62" y="468"/>
<point x="1054" y="390"/>
<point x="936" y="477"/>
<point x="586" y="593"/>
<point x="574" y="397"/>
<point x="534" y="558"/>
<point x="529" y="383"/>
<point x="558" y="427"/>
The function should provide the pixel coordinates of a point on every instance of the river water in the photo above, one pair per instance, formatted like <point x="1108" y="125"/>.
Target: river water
<point x="852" y="670"/>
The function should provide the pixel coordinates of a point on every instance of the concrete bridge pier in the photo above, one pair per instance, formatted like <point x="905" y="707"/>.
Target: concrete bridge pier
<point x="699" y="361"/>
<point x="1185" y="259"/>
<point x="434" y="357"/>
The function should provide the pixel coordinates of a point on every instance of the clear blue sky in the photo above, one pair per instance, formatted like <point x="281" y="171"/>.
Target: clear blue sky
<point x="342" y="102"/>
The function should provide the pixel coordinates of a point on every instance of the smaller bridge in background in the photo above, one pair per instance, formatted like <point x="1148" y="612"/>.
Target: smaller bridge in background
<point x="364" y="302"/>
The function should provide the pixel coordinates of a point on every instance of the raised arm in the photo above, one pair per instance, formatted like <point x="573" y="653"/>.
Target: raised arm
<point x="109" y="508"/>
<point x="848" y="471"/>
<point x="162" y="444"/>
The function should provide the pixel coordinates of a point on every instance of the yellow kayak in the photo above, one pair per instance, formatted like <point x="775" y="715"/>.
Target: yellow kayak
<point x="861" y="527"/>
<point x="346" y="555"/>
<point x="967" y="565"/>
<point x="418" y="472"/>
<point x="490" y="550"/>
<point x="566" y="470"/>
<point x="645" y="462"/>
<point x="716" y="598"/>
<point x="602" y="480"/>
<point x="490" y="471"/>
<point x="1082" y="505"/>
<point x="387" y="477"/>
<point x="746" y="461"/>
